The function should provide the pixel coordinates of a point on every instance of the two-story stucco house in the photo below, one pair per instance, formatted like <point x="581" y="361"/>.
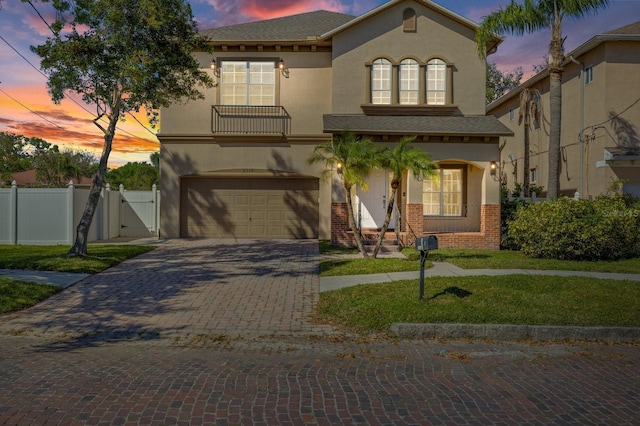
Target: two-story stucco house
<point x="235" y="164"/>
<point x="600" y="128"/>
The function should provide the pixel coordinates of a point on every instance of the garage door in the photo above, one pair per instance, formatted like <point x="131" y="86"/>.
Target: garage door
<point x="249" y="207"/>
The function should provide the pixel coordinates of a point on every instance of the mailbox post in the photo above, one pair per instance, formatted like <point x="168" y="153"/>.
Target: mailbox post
<point x="423" y="245"/>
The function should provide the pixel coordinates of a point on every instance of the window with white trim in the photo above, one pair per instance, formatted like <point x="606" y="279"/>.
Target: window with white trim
<point x="588" y="75"/>
<point x="247" y="83"/>
<point x="533" y="175"/>
<point x="436" y="82"/>
<point x="409" y="82"/>
<point x="512" y="114"/>
<point x="442" y="194"/>
<point x="381" y="82"/>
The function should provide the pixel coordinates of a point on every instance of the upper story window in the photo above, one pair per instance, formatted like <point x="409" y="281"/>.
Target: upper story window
<point x="436" y="82"/>
<point x="381" y="82"/>
<point x="588" y="74"/>
<point x="247" y="83"/>
<point x="512" y="114"/>
<point x="409" y="82"/>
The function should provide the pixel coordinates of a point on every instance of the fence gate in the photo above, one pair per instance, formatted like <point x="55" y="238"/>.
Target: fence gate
<point x="138" y="213"/>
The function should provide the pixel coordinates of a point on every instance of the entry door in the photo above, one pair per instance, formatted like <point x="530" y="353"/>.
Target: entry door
<point x="372" y="203"/>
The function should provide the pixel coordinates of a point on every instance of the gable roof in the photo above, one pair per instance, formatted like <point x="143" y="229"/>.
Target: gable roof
<point x="630" y="32"/>
<point x="300" y="27"/>
<point x="446" y="12"/>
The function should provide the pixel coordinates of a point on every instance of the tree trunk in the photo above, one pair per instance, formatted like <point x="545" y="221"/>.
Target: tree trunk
<point x="387" y="219"/>
<point x="352" y="223"/>
<point x="79" y="248"/>
<point x="525" y="176"/>
<point x="556" y="55"/>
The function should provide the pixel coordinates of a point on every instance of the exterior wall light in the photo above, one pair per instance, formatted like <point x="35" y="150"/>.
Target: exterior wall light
<point x="283" y="68"/>
<point x="214" y="67"/>
<point x="493" y="167"/>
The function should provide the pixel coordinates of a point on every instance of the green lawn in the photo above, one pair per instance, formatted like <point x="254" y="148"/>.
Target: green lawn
<point x="53" y="258"/>
<point x="512" y="299"/>
<point x="467" y="259"/>
<point x="16" y="295"/>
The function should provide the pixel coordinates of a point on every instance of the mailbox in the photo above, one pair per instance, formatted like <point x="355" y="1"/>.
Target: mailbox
<point x="427" y="243"/>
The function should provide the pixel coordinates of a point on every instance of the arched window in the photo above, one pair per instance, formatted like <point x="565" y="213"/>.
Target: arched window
<point x="409" y="82"/>
<point x="381" y="82"/>
<point x="409" y="20"/>
<point x="436" y="82"/>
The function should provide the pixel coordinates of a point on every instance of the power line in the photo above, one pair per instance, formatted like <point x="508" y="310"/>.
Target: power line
<point x="68" y="94"/>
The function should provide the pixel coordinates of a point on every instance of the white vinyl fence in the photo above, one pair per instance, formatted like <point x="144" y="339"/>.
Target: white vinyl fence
<point x="38" y="216"/>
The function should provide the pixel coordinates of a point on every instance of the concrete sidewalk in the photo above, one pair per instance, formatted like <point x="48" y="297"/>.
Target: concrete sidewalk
<point x="61" y="279"/>
<point x="443" y="269"/>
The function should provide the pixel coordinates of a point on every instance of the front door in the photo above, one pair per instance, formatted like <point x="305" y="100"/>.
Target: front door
<point x="371" y="205"/>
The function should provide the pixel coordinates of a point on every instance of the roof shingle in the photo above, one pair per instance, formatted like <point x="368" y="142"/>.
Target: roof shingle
<point x="288" y="28"/>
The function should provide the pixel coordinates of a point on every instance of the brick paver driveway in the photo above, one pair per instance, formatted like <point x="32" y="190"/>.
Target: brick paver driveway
<point x="217" y="332"/>
<point x="188" y="287"/>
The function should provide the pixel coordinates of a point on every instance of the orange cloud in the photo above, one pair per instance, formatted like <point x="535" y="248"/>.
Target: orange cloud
<point x="258" y="9"/>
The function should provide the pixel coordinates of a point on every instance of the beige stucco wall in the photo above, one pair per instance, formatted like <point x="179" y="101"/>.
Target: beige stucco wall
<point x="383" y="35"/>
<point x="615" y="87"/>
<point x="305" y="93"/>
<point x="180" y="158"/>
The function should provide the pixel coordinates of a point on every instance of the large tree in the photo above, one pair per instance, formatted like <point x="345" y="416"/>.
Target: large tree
<point x="121" y="56"/>
<point x="398" y="161"/>
<point x="353" y="158"/>
<point x="530" y="16"/>
<point x="134" y="176"/>
<point x="499" y="83"/>
<point x="529" y="115"/>
<point x="14" y="156"/>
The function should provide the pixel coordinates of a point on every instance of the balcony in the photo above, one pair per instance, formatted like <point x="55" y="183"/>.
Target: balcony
<point x="250" y="120"/>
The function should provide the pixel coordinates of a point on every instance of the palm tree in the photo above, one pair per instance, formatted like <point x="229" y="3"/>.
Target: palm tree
<point x="530" y="113"/>
<point x="353" y="157"/>
<point x="398" y="161"/>
<point x="532" y="16"/>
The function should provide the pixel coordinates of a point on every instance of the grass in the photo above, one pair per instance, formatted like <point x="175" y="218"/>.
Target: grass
<point x="507" y="259"/>
<point x="16" y="295"/>
<point x="53" y="258"/>
<point x="512" y="299"/>
<point x="465" y="259"/>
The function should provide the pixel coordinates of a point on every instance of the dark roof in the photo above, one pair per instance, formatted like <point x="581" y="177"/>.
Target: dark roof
<point x="627" y="29"/>
<point x="485" y="125"/>
<point x="288" y="28"/>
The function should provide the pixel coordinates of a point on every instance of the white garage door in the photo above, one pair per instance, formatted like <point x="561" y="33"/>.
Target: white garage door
<point x="249" y="207"/>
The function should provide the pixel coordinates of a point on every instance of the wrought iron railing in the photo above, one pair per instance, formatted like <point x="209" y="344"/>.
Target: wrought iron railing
<point x="250" y="120"/>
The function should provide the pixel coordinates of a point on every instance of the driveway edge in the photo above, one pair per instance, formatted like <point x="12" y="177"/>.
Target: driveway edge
<point x="508" y="332"/>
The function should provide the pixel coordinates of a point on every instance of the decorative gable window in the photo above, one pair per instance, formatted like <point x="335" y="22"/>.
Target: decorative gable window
<point x="436" y="82"/>
<point x="409" y="20"/>
<point x="409" y="82"/>
<point x="381" y="82"/>
<point x="247" y="83"/>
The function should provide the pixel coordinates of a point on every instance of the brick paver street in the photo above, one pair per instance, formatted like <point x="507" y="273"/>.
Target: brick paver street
<point x="217" y="332"/>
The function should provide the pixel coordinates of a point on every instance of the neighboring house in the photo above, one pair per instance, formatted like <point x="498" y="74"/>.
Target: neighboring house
<point x="600" y="119"/>
<point x="235" y="164"/>
<point x="29" y="178"/>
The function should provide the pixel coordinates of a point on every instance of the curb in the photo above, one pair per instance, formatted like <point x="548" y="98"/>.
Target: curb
<point x="508" y="332"/>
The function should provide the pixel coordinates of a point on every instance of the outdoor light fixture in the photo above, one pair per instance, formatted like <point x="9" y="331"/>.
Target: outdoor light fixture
<point x="339" y="167"/>
<point x="283" y="68"/>
<point x="493" y="166"/>
<point x="214" y="67"/>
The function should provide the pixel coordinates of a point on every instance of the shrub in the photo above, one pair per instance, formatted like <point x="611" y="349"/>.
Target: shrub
<point x="607" y="228"/>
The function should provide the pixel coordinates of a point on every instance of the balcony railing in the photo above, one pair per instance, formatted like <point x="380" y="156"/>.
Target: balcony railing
<point x="250" y="120"/>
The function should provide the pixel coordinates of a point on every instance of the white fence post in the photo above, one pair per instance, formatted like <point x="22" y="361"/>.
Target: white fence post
<point x="70" y="233"/>
<point x="154" y="200"/>
<point x="13" y="214"/>
<point x="106" y="207"/>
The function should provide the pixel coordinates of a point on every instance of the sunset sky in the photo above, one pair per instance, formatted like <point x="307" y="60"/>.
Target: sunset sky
<point x="25" y="106"/>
